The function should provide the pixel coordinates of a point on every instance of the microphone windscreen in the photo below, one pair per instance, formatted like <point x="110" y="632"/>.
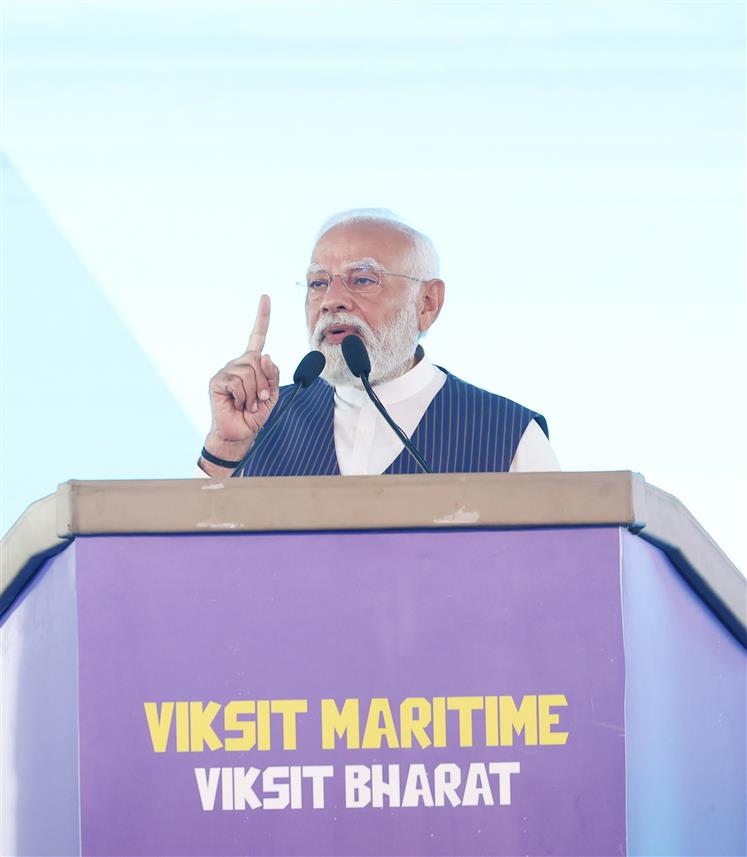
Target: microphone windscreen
<point x="356" y="356"/>
<point x="309" y="369"/>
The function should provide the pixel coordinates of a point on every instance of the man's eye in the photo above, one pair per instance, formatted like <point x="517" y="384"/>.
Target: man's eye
<point x="315" y="285"/>
<point x="362" y="281"/>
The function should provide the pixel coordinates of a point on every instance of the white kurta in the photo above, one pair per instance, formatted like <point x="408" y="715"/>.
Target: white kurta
<point x="366" y="445"/>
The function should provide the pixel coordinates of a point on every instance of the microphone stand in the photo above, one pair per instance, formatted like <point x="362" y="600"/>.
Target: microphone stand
<point x="395" y="428"/>
<point x="267" y="430"/>
<point x="307" y="371"/>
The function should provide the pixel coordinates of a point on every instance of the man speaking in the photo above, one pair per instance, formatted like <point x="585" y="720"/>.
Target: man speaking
<point x="377" y="278"/>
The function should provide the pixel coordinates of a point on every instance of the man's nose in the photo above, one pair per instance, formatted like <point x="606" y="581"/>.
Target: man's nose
<point x="337" y="297"/>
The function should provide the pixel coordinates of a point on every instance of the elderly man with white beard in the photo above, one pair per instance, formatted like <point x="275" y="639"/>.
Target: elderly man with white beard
<point x="376" y="277"/>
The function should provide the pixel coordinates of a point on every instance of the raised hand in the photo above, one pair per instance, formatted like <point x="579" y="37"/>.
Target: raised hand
<point x="242" y="396"/>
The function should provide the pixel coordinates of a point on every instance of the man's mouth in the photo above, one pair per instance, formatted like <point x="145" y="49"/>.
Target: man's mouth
<point x="335" y="333"/>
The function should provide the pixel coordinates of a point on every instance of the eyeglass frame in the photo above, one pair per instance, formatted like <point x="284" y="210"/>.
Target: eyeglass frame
<point x="343" y="280"/>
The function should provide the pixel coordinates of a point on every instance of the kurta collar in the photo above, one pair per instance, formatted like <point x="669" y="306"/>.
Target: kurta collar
<point x="390" y="392"/>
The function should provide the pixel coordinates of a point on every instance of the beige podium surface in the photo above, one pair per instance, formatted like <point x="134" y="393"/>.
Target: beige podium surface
<point x="438" y="501"/>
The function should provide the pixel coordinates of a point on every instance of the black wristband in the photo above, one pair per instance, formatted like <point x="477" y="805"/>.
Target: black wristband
<point x="221" y="462"/>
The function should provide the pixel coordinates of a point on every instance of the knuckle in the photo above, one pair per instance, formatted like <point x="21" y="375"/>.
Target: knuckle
<point x="220" y="379"/>
<point x="245" y="372"/>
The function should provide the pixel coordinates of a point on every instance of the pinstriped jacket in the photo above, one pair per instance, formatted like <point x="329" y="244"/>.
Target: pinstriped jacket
<point x="464" y="430"/>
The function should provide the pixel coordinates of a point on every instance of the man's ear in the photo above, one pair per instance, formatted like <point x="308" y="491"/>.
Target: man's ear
<point x="431" y="301"/>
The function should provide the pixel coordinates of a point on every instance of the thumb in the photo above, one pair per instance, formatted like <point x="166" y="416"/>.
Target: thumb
<point x="272" y="373"/>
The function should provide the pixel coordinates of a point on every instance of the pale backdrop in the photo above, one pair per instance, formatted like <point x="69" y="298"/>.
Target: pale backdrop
<point x="580" y="166"/>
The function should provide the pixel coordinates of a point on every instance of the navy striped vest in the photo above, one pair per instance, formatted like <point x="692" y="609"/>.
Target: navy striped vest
<point x="464" y="430"/>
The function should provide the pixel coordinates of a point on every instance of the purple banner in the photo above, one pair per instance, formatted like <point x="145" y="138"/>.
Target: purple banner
<point x="386" y="693"/>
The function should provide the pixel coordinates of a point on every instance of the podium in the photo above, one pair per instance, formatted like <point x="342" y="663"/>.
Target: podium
<point x="547" y="663"/>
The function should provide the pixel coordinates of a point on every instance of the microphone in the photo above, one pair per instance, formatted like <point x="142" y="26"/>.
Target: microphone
<point x="307" y="371"/>
<point x="359" y="363"/>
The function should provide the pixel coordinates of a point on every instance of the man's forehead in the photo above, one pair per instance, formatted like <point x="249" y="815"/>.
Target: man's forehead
<point x="347" y="244"/>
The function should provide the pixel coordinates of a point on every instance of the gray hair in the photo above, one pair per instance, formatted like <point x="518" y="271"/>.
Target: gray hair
<point x="425" y="262"/>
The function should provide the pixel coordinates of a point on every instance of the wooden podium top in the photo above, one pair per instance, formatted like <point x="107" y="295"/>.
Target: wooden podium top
<point x="438" y="501"/>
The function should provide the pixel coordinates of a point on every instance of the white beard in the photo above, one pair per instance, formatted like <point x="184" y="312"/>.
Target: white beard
<point x="391" y="348"/>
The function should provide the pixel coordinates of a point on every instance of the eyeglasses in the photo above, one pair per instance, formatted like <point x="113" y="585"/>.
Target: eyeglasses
<point x="361" y="281"/>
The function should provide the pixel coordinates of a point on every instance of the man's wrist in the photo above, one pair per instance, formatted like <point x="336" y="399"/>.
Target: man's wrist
<point x="218" y="462"/>
<point x="219" y="457"/>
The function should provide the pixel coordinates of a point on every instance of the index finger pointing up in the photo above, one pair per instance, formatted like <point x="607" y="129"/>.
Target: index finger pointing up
<point x="261" y="323"/>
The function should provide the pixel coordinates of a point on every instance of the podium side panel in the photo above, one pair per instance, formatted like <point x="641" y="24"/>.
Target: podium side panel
<point x="685" y="715"/>
<point x="39" y="707"/>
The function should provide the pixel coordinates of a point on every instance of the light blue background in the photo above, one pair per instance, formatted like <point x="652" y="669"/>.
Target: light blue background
<point x="580" y="167"/>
